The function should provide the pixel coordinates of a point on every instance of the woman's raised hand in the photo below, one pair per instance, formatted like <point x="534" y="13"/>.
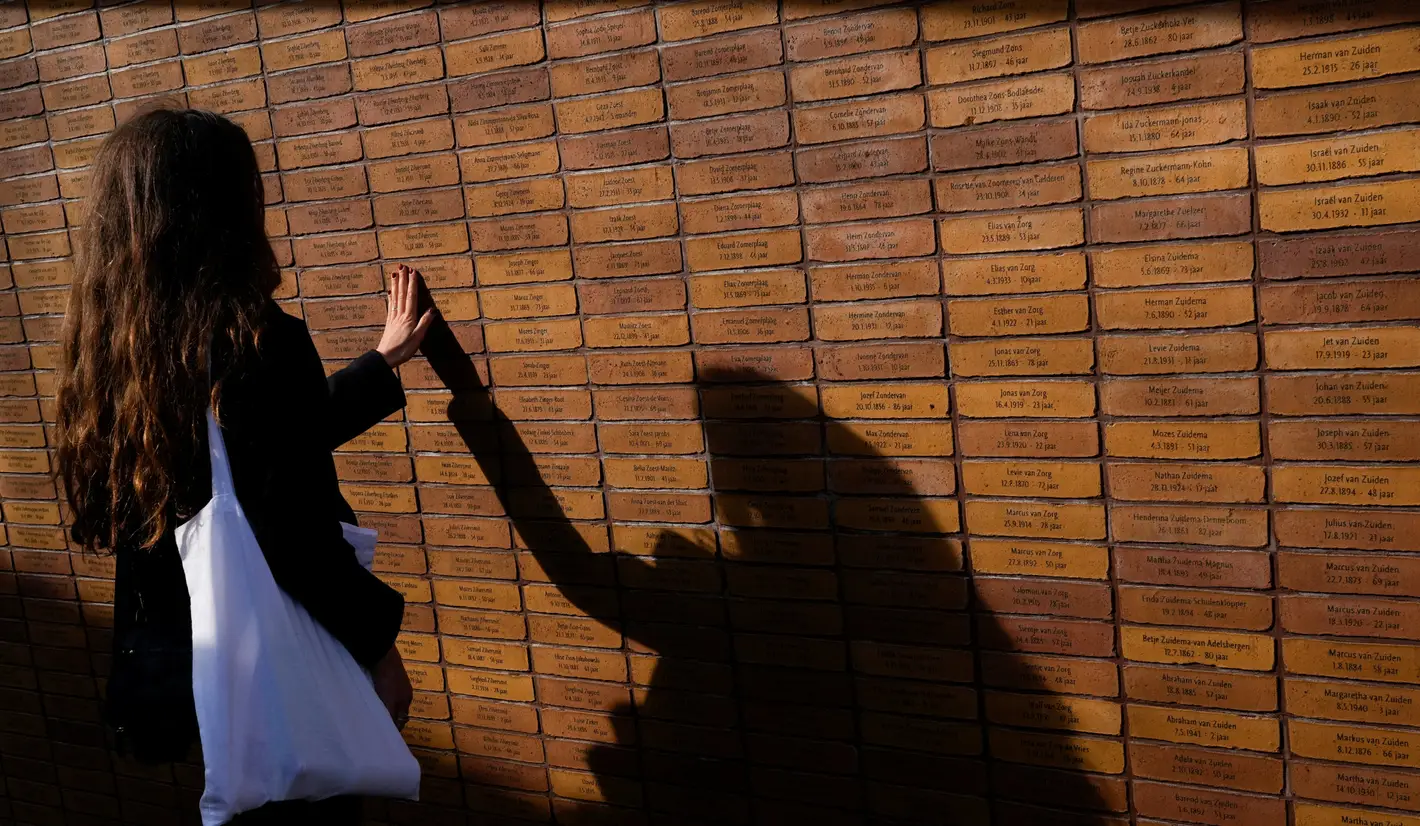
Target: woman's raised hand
<point x="404" y="327"/>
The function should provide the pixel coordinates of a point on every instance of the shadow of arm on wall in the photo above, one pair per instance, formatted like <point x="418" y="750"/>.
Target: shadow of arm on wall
<point x="806" y="640"/>
<point x="539" y="517"/>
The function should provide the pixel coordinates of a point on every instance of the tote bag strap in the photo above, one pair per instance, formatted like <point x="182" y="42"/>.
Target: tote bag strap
<point x="222" y="484"/>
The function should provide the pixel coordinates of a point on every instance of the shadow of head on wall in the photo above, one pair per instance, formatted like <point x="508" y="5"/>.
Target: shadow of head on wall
<point x="778" y="628"/>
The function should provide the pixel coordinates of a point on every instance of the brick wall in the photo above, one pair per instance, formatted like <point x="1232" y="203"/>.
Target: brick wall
<point x="970" y="413"/>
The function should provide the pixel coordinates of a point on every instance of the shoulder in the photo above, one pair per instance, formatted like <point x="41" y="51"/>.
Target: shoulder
<point x="284" y="372"/>
<point x="280" y="329"/>
<point x="284" y="345"/>
<point x="284" y="354"/>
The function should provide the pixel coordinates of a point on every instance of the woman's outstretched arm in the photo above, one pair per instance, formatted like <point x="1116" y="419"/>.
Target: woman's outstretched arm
<point x="367" y="390"/>
<point x="275" y="420"/>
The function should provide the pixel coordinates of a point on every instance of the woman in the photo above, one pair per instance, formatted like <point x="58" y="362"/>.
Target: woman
<point x="174" y="274"/>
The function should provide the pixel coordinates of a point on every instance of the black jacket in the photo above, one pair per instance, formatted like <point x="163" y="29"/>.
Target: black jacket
<point x="281" y="418"/>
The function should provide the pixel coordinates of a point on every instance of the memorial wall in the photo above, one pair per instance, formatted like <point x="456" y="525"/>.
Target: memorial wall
<point x="997" y="412"/>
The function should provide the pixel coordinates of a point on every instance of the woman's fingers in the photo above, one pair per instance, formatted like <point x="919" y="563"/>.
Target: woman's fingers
<point x="402" y="332"/>
<point x="403" y="294"/>
<point x="396" y="294"/>
<point x="411" y="293"/>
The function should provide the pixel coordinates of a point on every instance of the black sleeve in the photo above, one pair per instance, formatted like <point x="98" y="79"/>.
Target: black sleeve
<point x="362" y="393"/>
<point x="276" y="420"/>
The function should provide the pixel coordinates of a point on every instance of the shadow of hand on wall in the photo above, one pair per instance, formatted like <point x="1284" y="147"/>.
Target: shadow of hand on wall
<point x="818" y="660"/>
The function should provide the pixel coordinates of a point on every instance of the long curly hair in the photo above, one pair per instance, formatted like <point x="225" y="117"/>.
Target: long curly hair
<point x="173" y="264"/>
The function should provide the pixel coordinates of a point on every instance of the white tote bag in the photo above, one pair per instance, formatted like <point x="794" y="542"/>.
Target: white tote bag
<point x="284" y="711"/>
